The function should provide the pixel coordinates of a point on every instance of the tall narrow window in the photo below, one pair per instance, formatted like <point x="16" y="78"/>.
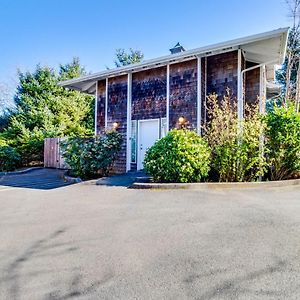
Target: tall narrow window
<point x="133" y="140"/>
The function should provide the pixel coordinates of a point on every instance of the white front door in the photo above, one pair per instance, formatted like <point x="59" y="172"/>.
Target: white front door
<point x="148" y="134"/>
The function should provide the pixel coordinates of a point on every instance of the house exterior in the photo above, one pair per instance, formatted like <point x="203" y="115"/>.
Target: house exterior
<point x="145" y="100"/>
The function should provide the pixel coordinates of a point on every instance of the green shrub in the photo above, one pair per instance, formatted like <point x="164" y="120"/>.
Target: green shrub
<point x="90" y="157"/>
<point x="181" y="156"/>
<point x="283" y="141"/>
<point x="236" y="147"/>
<point x="9" y="159"/>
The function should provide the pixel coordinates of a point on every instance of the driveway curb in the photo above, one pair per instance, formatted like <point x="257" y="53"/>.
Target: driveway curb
<point x="215" y="185"/>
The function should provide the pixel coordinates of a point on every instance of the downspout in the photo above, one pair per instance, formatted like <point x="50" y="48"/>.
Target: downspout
<point x="250" y="69"/>
<point x="261" y="110"/>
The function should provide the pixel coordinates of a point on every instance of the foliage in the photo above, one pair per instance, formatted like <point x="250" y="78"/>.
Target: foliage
<point x="283" y="140"/>
<point x="89" y="157"/>
<point x="290" y="65"/>
<point x="123" y="58"/>
<point x="9" y="158"/>
<point x="236" y="151"/>
<point x="3" y="141"/>
<point x="181" y="156"/>
<point x="289" y="74"/>
<point x="45" y="109"/>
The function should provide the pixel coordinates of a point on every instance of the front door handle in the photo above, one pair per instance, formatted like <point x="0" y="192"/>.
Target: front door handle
<point x="141" y="147"/>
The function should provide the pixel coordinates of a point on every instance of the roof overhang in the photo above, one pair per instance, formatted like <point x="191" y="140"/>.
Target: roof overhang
<point x="259" y="48"/>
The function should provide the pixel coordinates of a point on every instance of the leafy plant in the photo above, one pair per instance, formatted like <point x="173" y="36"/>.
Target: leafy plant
<point x="89" y="157"/>
<point x="181" y="156"/>
<point x="10" y="159"/>
<point x="237" y="153"/>
<point x="283" y="140"/>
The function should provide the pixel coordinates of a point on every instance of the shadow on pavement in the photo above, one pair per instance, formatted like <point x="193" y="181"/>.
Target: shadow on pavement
<point x="25" y="268"/>
<point x="42" y="179"/>
<point x="125" y="180"/>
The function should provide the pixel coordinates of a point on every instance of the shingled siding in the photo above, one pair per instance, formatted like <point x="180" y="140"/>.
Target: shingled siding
<point x="101" y="106"/>
<point x="117" y="112"/>
<point x="252" y="84"/>
<point x="222" y="73"/>
<point x="149" y="90"/>
<point x="183" y="93"/>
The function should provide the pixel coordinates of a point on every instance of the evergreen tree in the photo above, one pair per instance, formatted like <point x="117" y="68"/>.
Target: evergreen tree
<point x="45" y="109"/>
<point x="123" y="58"/>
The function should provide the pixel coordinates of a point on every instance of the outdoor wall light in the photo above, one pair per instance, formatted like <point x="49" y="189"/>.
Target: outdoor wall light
<point x="115" y="125"/>
<point x="181" y="120"/>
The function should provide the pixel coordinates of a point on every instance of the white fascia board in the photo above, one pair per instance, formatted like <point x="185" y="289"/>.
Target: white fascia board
<point x="189" y="54"/>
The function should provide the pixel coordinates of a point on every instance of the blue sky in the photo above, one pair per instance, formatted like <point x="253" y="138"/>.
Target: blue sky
<point x="53" y="31"/>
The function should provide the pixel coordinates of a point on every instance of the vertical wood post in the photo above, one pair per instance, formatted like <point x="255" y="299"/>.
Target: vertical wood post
<point x="106" y="102"/>
<point x="240" y="100"/>
<point x="128" y="131"/>
<point x="96" y="107"/>
<point x="168" y="98"/>
<point x="199" y="94"/>
<point x="262" y="90"/>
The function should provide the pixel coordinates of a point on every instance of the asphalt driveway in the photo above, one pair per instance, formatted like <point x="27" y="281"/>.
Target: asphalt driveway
<point x="40" y="178"/>
<point x="96" y="242"/>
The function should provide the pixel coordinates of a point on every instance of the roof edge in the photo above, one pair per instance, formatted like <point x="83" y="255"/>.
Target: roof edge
<point x="180" y="56"/>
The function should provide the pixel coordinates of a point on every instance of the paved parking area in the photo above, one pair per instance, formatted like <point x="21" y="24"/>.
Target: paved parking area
<point x="44" y="179"/>
<point x="95" y="242"/>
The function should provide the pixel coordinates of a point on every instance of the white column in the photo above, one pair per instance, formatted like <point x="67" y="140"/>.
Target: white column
<point x="96" y="106"/>
<point x="240" y="101"/>
<point x="168" y="98"/>
<point x="262" y="89"/>
<point x="262" y="107"/>
<point x="106" y="102"/>
<point x="128" y="133"/>
<point x="199" y="95"/>
<point x="205" y="91"/>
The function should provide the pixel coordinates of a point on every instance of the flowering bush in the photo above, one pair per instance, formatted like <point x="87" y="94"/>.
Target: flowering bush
<point x="237" y="153"/>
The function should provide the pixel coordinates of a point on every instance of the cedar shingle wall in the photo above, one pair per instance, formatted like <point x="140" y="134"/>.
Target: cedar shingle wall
<point x="222" y="73"/>
<point x="101" y="106"/>
<point x="183" y="93"/>
<point x="117" y="112"/>
<point x="252" y="83"/>
<point x="149" y="94"/>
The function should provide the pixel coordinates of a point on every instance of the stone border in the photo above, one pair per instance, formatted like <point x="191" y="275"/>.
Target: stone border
<point x="71" y="179"/>
<point x="215" y="185"/>
<point x="28" y="170"/>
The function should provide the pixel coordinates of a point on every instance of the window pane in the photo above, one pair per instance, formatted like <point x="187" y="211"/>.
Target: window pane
<point x="133" y="140"/>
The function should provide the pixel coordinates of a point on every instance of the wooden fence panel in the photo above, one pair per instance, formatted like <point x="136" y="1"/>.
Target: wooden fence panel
<point x="53" y="154"/>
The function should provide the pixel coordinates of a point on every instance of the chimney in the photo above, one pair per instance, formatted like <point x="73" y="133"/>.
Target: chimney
<point x="177" y="49"/>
